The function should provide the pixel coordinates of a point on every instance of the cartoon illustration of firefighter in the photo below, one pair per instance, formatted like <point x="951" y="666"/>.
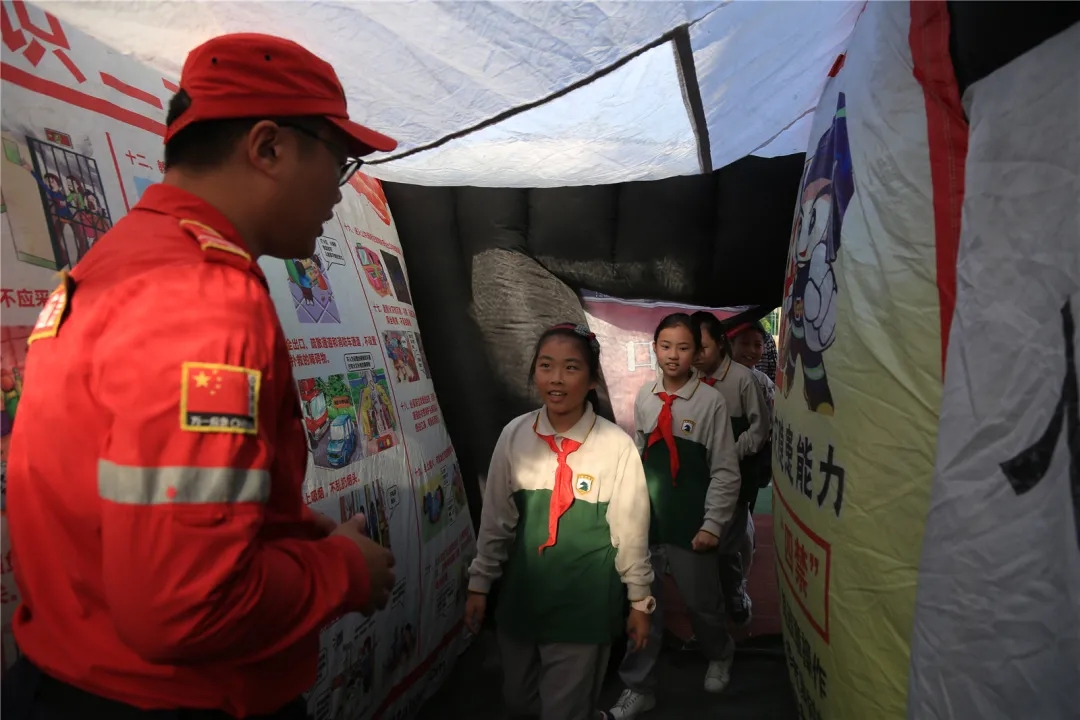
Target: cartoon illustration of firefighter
<point x="809" y="316"/>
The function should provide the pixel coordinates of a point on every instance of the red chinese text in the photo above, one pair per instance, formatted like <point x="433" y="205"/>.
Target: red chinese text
<point x="23" y="297"/>
<point x="34" y="48"/>
<point x="309" y="359"/>
<point x="336" y="342"/>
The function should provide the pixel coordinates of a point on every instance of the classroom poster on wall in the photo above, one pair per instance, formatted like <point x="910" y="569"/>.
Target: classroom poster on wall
<point x="82" y="139"/>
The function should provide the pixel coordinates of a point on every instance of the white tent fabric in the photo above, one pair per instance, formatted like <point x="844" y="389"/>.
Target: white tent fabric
<point x="762" y="67"/>
<point x="632" y="120"/>
<point x="424" y="71"/>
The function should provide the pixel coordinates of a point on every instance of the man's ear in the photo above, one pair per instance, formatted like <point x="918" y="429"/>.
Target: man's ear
<point x="261" y="145"/>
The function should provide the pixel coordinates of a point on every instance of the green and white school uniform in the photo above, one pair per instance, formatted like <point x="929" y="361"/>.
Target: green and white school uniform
<point x="565" y="524"/>
<point x="692" y="471"/>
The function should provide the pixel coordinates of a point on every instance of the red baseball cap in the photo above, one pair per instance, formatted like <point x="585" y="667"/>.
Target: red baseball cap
<point x="252" y="75"/>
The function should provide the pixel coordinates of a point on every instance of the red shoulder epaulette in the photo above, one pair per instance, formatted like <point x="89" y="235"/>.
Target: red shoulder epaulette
<point x="211" y="241"/>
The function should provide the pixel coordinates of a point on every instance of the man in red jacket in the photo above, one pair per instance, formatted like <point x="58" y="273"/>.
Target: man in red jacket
<point x="167" y="564"/>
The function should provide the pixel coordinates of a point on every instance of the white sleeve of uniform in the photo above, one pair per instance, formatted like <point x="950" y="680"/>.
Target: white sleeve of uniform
<point x="753" y="402"/>
<point x="628" y="517"/>
<point x="724" y="479"/>
<point x="498" y="519"/>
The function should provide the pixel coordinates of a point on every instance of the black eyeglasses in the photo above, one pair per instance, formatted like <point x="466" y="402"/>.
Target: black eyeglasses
<point x="349" y="165"/>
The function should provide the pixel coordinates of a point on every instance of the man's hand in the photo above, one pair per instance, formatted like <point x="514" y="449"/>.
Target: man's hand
<point x="475" y="610"/>
<point x="637" y="629"/>
<point x="325" y="524"/>
<point x="380" y="562"/>
<point x="704" y="541"/>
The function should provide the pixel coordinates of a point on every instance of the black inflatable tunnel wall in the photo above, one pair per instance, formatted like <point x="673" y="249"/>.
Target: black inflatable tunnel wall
<point x="491" y="268"/>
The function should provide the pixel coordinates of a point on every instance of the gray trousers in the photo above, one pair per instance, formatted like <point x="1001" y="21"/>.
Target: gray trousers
<point x="736" y="552"/>
<point x="555" y="681"/>
<point x="699" y="584"/>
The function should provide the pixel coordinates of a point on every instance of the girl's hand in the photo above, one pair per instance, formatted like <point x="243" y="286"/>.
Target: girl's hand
<point x="637" y="628"/>
<point x="704" y="541"/>
<point x="475" y="610"/>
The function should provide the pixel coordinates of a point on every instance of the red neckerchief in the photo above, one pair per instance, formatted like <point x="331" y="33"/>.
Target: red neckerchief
<point x="711" y="381"/>
<point x="562" y="496"/>
<point x="663" y="431"/>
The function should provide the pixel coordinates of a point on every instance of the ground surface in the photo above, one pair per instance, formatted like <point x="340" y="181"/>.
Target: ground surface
<point x="759" y="681"/>
<point x="759" y="686"/>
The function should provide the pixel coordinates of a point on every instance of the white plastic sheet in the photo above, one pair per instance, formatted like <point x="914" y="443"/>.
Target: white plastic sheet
<point x="997" y="622"/>
<point x="421" y="71"/>
<point x="761" y="67"/>
<point x="628" y="125"/>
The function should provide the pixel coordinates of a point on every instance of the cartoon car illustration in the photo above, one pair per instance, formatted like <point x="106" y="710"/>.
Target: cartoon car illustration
<point x="342" y="440"/>
<point x="316" y="417"/>
<point x="373" y="268"/>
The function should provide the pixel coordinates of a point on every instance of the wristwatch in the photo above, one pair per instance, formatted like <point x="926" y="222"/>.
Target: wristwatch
<point x="647" y="605"/>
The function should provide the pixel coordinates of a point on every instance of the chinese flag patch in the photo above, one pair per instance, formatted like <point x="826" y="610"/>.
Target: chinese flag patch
<point x="219" y="398"/>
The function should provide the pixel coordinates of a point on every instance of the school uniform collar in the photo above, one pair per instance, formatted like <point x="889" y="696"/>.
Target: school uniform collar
<point x="723" y="369"/>
<point x="578" y="433"/>
<point x="182" y="205"/>
<point x="686" y="391"/>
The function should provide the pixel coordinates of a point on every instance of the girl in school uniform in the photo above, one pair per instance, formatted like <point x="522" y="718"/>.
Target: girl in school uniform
<point x="736" y="381"/>
<point x="684" y="433"/>
<point x="565" y="525"/>
<point x="745" y="343"/>
<point x="749" y="343"/>
<point x="750" y="424"/>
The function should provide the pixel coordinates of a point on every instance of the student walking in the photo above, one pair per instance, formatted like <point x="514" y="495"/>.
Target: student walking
<point x="684" y="434"/>
<point x="749" y="347"/>
<point x="565" y="525"/>
<point x="750" y="425"/>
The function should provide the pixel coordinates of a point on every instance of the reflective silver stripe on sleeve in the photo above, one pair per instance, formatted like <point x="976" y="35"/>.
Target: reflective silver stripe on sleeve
<point x="168" y="485"/>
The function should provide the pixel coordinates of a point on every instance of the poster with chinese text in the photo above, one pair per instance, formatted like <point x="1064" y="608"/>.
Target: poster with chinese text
<point x="859" y="382"/>
<point x="82" y="139"/>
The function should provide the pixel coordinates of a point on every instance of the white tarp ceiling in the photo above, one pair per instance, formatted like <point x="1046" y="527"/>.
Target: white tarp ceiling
<point x="426" y="71"/>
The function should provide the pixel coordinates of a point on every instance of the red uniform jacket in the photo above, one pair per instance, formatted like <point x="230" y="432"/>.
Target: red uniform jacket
<point x="162" y="549"/>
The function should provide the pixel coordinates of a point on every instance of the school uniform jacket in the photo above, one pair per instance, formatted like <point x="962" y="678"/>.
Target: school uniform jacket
<point x="750" y="421"/>
<point x="768" y="391"/>
<point x="745" y="405"/>
<point x="571" y="591"/>
<point x="703" y="493"/>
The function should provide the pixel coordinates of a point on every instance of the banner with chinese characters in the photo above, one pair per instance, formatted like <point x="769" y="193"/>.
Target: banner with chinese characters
<point x="82" y="139"/>
<point x="859" y="380"/>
